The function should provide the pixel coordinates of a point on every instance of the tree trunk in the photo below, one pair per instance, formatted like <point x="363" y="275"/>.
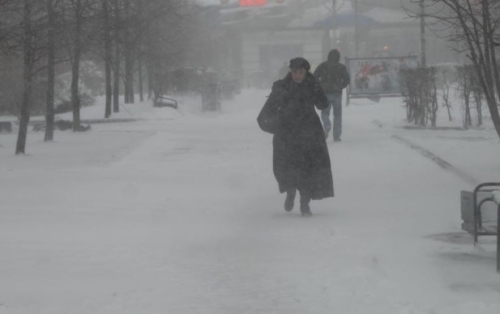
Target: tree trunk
<point x="493" y="107"/>
<point x="486" y="43"/>
<point x="150" y="80"/>
<point x="423" y="42"/>
<point x="434" y="101"/>
<point x="75" y="97"/>
<point x="140" y="51"/>
<point x="130" y="79"/>
<point x="49" y="114"/>
<point x="468" y="120"/>
<point x="141" y="81"/>
<point x="479" y="113"/>
<point x="107" y="57"/>
<point x="129" y="62"/>
<point x="449" y="113"/>
<point x="495" y="117"/>
<point x="116" y="74"/>
<point x="446" y="95"/>
<point x="27" y="76"/>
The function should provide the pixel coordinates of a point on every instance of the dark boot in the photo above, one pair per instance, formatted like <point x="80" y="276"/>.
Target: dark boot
<point x="305" y="210"/>
<point x="290" y="199"/>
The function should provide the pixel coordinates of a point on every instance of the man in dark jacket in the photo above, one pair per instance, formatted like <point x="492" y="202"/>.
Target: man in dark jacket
<point x="333" y="77"/>
<point x="300" y="155"/>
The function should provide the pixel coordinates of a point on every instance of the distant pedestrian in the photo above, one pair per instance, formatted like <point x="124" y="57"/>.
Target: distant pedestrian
<point x="333" y="77"/>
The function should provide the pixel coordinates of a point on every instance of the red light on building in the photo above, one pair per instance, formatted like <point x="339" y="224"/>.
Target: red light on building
<point x="252" y="3"/>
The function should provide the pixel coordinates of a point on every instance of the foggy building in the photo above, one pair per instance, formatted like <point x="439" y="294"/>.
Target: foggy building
<point x="256" y="40"/>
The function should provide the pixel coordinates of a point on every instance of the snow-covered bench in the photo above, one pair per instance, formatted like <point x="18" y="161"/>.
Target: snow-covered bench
<point x="165" y="101"/>
<point x="481" y="213"/>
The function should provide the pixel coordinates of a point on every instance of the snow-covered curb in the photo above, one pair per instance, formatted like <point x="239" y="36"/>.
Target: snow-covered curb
<point x="438" y="160"/>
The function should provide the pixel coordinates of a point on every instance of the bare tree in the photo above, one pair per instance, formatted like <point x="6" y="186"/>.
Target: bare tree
<point x="477" y="93"/>
<point x="32" y="38"/>
<point x="4" y="4"/>
<point x="140" y="76"/>
<point x="51" y="47"/>
<point x="420" y="94"/>
<point x="129" y="47"/>
<point x="107" y="55"/>
<point x="465" y="89"/>
<point x="117" y="56"/>
<point x="166" y="41"/>
<point x="40" y="34"/>
<point x="432" y="100"/>
<point x="79" y="8"/>
<point x="473" y="25"/>
<point x="445" y="87"/>
<point x="28" y="65"/>
<point x="10" y="63"/>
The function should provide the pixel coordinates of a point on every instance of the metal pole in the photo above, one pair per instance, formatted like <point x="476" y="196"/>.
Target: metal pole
<point x="423" y="43"/>
<point x="348" y="91"/>
<point x="334" y="23"/>
<point x="498" y="239"/>
<point x="476" y="190"/>
<point x="356" y="38"/>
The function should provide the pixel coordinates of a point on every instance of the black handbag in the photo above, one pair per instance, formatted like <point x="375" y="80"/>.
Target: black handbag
<point x="269" y="118"/>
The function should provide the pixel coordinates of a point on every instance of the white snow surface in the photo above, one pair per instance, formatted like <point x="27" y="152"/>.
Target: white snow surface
<point x="179" y="212"/>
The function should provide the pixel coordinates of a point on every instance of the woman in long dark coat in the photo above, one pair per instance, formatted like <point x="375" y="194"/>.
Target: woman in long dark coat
<point x="300" y="154"/>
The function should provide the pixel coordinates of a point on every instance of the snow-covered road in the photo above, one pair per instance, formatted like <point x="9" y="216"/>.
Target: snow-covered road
<point x="184" y="216"/>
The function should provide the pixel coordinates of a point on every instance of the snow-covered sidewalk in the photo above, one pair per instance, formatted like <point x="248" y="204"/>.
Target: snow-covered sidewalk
<point x="181" y="214"/>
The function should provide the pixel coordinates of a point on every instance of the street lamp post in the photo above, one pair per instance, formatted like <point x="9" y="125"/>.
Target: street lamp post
<point x="334" y="23"/>
<point x="423" y="43"/>
<point x="356" y="38"/>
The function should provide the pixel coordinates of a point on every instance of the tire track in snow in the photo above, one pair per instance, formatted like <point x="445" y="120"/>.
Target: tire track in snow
<point x="438" y="160"/>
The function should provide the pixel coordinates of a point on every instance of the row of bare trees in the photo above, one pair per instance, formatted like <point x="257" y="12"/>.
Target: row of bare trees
<point x="473" y="26"/>
<point x="471" y="94"/>
<point x="421" y="88"/>
<point x="126" y="37"/>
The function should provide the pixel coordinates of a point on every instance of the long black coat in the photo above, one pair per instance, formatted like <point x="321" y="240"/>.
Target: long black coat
<point x="300" y="153"/>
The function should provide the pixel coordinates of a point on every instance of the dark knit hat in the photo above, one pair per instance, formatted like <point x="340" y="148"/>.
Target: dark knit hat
<point x="298" y="63"/>
<point x="334" y="55"/>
